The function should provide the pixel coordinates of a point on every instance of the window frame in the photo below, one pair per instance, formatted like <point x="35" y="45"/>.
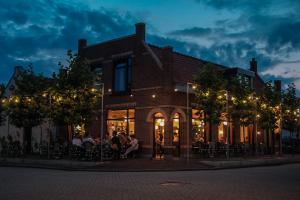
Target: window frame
<point x="128" y="61"/>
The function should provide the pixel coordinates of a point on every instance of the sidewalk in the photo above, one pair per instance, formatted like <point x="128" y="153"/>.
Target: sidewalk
<point x="143" y="164"/>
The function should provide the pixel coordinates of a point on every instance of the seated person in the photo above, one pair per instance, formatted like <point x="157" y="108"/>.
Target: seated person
<point x="88" y="138"/>
<point x="77" y="141"/>
<point x="115" y="146"/>
<point x="134" y="145"/>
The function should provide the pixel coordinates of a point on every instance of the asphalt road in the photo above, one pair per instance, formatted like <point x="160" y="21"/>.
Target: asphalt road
<point x="277" y="182"/>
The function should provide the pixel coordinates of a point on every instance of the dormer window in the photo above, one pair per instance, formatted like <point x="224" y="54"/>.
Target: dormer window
<point x="122" y="75"/>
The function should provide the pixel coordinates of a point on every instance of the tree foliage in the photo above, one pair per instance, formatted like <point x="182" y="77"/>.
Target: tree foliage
<point x="2" y="108"/>
<point x="242" y="102"/>
<point x="74" y="98"/>
<point x="25" y="107"/>
<point x="269" y="108"/>
<point x="211" y="94"/>
<point x="290" y="108"/>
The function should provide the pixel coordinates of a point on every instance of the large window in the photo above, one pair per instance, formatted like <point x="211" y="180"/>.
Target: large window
<point x="123" y="75"/>
<point x="121" y="121"/>
<point x="197" y="126"/>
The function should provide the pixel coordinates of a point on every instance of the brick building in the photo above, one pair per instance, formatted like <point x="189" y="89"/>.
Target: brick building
<point x="145" y="92"/>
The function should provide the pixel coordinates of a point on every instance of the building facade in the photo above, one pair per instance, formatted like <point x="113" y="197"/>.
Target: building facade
<point x="146" y="94"/>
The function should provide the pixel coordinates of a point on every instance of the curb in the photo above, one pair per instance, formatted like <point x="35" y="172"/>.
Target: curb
<point x="205" y="166"/>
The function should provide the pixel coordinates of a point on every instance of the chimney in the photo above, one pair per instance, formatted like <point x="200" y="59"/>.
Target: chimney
<point x="253" y="65"/>
<point x="140" y="31"/>
<point x="82" y="43"/>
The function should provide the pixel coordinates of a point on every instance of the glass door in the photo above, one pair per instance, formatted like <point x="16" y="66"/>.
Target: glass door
<point x="159" y="136"/>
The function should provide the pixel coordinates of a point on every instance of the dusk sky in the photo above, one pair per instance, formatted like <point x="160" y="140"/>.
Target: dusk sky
<point x="228" y="32"/>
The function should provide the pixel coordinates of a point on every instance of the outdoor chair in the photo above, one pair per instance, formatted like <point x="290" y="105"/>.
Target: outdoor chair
<point x="76" y="152"/>
<point x="88" y="151"/>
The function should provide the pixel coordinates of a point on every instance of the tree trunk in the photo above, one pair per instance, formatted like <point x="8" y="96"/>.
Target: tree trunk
<point x="205" y="128"/>
<point x="273" y="141"/>
<point x="210" y="132"/>
<point x="70" y="133"/>
<point x="267" y="138"/>
<point x="27" y="139"/>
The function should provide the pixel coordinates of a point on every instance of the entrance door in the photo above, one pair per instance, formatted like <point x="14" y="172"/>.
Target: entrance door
<point x="158" y="136"/>
<point x="176" y="135"/>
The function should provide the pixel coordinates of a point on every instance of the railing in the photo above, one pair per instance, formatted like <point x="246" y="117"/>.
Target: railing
<point x="215" y="150"/>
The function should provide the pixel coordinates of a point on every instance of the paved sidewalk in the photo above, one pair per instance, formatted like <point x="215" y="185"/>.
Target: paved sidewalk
<point x="143" y="164"/>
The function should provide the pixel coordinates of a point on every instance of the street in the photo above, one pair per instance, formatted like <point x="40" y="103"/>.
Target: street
<point x="276" y="182"/>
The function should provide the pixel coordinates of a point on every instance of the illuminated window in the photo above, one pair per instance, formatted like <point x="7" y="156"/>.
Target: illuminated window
<point x="121" y="121"/>
<point x="176" y="128"/>
<point x="197" y="125"/>
<point x="244" y="137"/>
<point x="221" y="129"/>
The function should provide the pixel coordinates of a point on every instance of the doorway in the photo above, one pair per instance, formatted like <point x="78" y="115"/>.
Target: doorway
<point x="158" y="136"/>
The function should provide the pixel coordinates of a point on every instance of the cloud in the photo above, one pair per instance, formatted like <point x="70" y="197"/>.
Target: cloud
<point x="284" y="70"/>
<point x="250" y="5"/>
<point x="195" y="31"/>
<point x="42" y="32"/>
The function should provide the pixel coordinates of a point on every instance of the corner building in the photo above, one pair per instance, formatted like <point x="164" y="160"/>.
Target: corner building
<point x="145" y="93"/>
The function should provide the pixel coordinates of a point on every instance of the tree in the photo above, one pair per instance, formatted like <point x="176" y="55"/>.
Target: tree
<point x="243" y="103"/>
<point x="74" y="99"/>
<point x="210" y="95"/>
<point x="2" y="107"/>
<point x="269" y="111"/>
<point x="25" y="108"/>
<point x="290" y="109"/>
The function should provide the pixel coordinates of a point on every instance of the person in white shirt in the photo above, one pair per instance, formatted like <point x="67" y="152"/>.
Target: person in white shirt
<point x="77" y="141"/>
<point x="134" y="145"/>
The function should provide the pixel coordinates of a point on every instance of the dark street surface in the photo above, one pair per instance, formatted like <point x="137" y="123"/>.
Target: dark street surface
<point x="276" y="182"/>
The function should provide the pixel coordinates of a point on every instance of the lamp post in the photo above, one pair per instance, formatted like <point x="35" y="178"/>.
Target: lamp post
<point x="280" y="130"/>
<point x="228" y="125"/>
<point x="256" y="124"/>
<point x="49" y="137"/>
<point x="101" y="85"/>
<point x="188" y="120"/>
